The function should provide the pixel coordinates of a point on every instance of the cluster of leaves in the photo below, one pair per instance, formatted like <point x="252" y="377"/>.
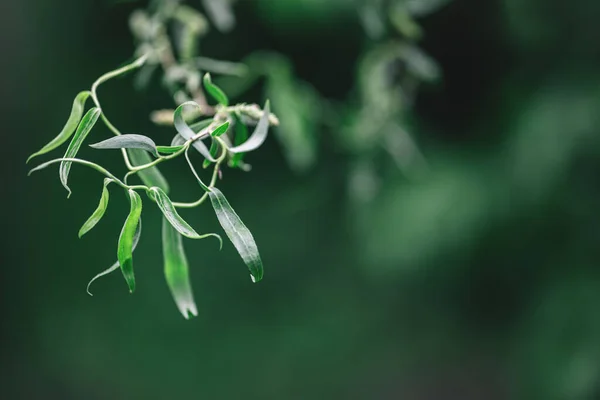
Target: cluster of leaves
<point x="230" y="140"/>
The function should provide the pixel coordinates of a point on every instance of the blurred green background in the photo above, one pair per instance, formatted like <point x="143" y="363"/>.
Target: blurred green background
<point x="477" y="280"/>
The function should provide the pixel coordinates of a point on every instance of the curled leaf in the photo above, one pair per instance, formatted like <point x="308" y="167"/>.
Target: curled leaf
<point x="116" y="265"/>
<point x="215" y="91"/>
<point x="125" y="247"/>
<point x="85" y="126"/>
<point x="70" y="126"/>
<point x="150" y="176"/>
<point x="200" y="125"/>
<point x="178" y="140"/>
<point x="177" y="270"/>
<point x="131" y="141"/>
<point x="99" y="212"/>
<point x="237" y="232"/>
<point x="187" y="133"/>
<point x="258" y="136"/>
<point x="170" y="213"/>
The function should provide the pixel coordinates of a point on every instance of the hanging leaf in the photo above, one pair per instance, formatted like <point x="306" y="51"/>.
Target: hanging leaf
<point x="86" y="125"/>
<point x="258" y="136"/>
<point x="99" y="213"/>
<point x="215" y="91"/>
<point x="125" y="247"/>
<point x="170" y="213"/>
<point x="237" y="232"/>
<point x="151" y="176"/>
<point x="187" y="133"/>
<point x="128" y="142"/>
<point x="70" y="126"/>
<point x="241" y="135"/>
<point x="116" y="265"/>
<point x="177" y="270"/>
<point x="214" y="150"/>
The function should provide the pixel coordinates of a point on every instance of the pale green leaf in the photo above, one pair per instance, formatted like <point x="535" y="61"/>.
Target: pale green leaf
<point x="177" y="270"/>
<point x="70" y="126"/>
<point x="125" y="247"/>
<point x="259" y="135"/>
<point x="187" y="133"/>
<point x="237" y="232"/>
<point x="99" y="212"/>
<point x="130" y="141"/>
<point x="170" y="213"/>
<point x="85" y="126"/>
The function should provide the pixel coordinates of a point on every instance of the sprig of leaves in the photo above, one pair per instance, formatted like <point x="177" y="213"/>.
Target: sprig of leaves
<point x="142" y="156"/>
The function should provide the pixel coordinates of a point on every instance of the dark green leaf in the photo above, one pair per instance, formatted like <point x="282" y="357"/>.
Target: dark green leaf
<point x="258" y="136"/>
<point x="85" y="126"/>
<point x="187" y="133"/>
<point x="125" y="247"/>
<point x="70" y="126"/>
<point x="215" y="91"/>
<point x="150" y="176"/>
<point x="128" y="142"/>
<point x="170" y="213"/>
<point x="99" y="213"/>
<point x="241" y="135"/>
<point x="237" y="232"/>
<point x="115" y="266"/>
<point x="177" y="270"/>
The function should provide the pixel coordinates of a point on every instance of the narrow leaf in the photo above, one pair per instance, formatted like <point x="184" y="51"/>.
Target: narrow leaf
<point x="170" y="213"/>
<point x="258" y="136"/>
<point x="116" y="265"/>
<point x="214" y="150"/>
<point x="198" y="126"/>
<point x="169" y="149"/>
<point x="100" y="210"/>
<point x="215" y="91"/>
<point x="85" y="126"/>
<point x="177" y="270"/>
<point x="70" y="126"/>
<point x="221" y="129"/>
<point x="241" y="135"/>
<point x="128" y="142"/>
<point x="125" y="247"/>
<point x="237" y="232"/>
<point x="187" y="133"/>
<point x="151" y="176"/>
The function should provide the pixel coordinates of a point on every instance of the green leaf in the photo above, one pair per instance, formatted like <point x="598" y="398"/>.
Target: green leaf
<point x="128" y="142"/>
<point x="85" y="126"/>
<point x="116" y="265"/>
<point x="214" y="150"/>
<point x="169" y="149"/>
<point x="221" y="129"/>
<point x="70" y="126"/>
<point x="215" y="91"/>
<point x="125" y="247"/>
<point x="99" y="213"/>
<point x="177" y="270"/>
<point x="237" y="232"/>
<point x="258" y="136"/>
<point x="187" y="133"/>
<point x="150" y="176"/>
<point x="178" y="140"/>
<point x="170" y="213"/>
<point x="241" y="135"/>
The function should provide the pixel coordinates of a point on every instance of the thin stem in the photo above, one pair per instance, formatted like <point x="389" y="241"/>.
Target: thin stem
<point x="90" y="165"/>
<point x="135" y="170"/>
<point x="202" y="185"/>
<point x="113" y="74"/>
<point x="213" y="180"/>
